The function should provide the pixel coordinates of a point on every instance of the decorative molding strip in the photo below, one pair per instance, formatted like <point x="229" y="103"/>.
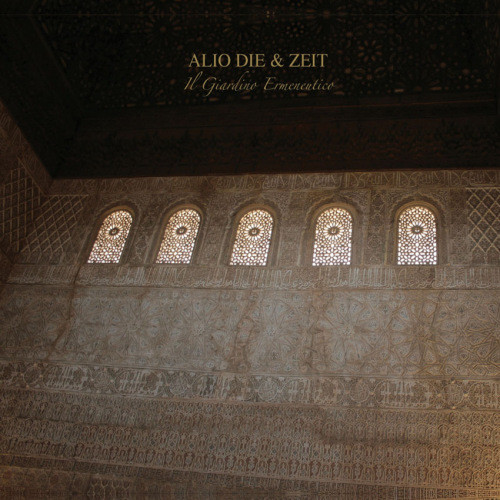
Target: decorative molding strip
<point x="30" y="274"/>
<point x="342" y="392"/>
<point x="346" y="180"/>
<point x="37" y="477"/>
<point x="246" y="278"/>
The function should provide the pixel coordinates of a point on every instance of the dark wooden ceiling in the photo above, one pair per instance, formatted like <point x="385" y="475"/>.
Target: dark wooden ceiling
<point x="135" y="53"/>
<point x="98" y="87"/>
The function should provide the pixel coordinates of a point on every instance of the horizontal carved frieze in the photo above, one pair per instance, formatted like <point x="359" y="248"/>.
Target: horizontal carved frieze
<point x="38" y="477"/>
<point x="345" y="180"/>
<point x="344" y="392"/>
<point x="242" y="278"/>
<point x="273" y="446"/>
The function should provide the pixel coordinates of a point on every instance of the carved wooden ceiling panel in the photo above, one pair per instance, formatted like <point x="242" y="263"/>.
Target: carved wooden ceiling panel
<point x="135" y="54"/>
<point x="89" y="82"/>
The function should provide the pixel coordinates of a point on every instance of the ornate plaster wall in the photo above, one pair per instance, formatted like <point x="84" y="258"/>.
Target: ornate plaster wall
<point x="207" y="380"/>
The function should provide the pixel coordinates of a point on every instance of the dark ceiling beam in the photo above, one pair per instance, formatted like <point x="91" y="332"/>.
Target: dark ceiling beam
<point x="327" y="146"/>
<point x="278" y="113"/>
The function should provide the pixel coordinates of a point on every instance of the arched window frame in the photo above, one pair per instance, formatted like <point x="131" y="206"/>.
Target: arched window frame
<point x="161" y="232"/>
<point x="97" y="227"/>
<point x="307" y="246"/>
<point x="440" y="231"/>
<point x="271" y="254"/>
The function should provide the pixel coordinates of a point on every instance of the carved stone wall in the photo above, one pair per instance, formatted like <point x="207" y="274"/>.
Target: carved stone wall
<point x="207" y="380"/>
<point x="23" y="182"/>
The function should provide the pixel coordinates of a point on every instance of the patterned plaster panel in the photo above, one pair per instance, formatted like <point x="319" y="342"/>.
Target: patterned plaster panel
<point x="375" y="333"/>
<point x="19" y="199"/>
<point x="54" y="237"/>
<point x="314" y="448"/>
<point x="23" y="184"/>
<point x="32" y="322"/>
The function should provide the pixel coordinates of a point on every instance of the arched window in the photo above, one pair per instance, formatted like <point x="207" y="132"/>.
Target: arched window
<point x="253" y="238"/>
<point x="179" y="237"/>
<point x="333" y="238"/>
<point x="417" y="241"/>
<point x="111" y="238"/>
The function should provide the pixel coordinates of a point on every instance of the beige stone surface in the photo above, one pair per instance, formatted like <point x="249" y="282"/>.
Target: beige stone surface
<point x="214" y="381"/>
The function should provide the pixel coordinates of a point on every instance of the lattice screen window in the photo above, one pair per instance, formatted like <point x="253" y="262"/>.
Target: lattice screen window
<point x="333" y="238"/>
<point x="417" y="241"/>
<point x="253" y="237"/>
<point x="108" y="246"/>
<point x="179" y="237"/>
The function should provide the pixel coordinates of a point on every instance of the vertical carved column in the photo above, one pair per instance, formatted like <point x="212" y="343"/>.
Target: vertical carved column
<point x="291" y="229"/>
<point x="146" y="229"/>
<point x="377" y="229"/>
<point x="218" y="227"/>
<point x="458" y="244"/>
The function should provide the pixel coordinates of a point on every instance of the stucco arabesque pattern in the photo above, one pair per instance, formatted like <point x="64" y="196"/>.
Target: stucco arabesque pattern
<point x="357" y="363"/>
<point x="357" y="320"/>
<point x="321" y="445"/>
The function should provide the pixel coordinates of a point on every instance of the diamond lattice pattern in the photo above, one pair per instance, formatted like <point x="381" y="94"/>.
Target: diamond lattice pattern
<point x="484" y="224"/>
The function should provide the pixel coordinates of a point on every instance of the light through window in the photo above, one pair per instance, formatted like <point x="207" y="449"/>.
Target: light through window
<point x="113" y="233"/>
<point x="333" y="238"/>
<point x="417" y="242"/>
<point x="253" y="237"/>
<point x="179" y="237"/>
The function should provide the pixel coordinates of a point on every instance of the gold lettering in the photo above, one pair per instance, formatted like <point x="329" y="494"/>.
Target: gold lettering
<point x="307" y="60"/>
<point x="194" y="61"/>
<point x="295" y="57"/>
